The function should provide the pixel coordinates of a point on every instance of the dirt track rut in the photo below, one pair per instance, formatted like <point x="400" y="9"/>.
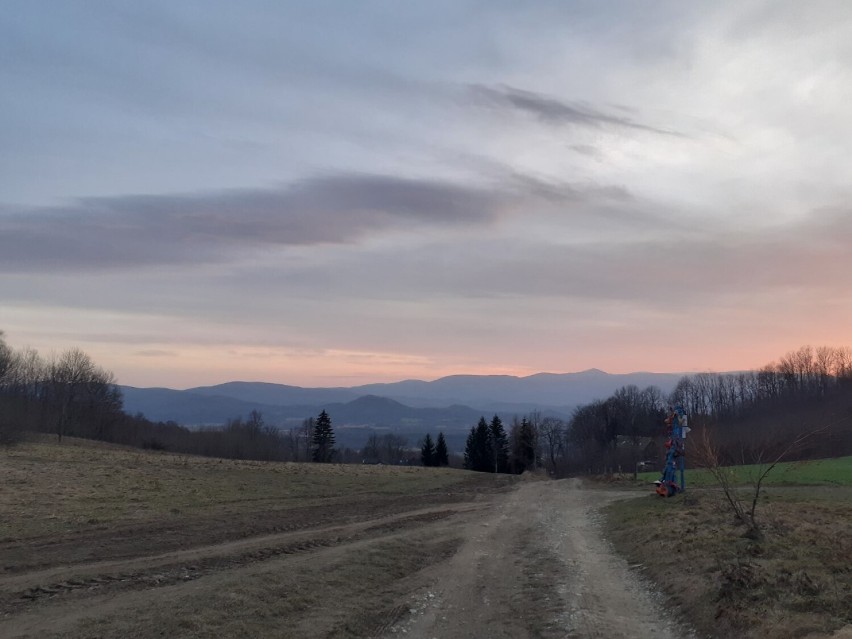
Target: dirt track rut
<point x="538" y="566"/>
<point x="529" y="562"/>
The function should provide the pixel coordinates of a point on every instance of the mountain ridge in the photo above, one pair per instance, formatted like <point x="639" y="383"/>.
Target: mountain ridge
<point x="443" y="400"/>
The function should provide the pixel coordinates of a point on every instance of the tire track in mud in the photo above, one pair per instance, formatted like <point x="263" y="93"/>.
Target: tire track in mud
<point x="378" y="622"/>
<point x="168" y="572"/>
<point x="132" y="541"/>
<point x="114" y="608"/>
<point x="168" y="575"/>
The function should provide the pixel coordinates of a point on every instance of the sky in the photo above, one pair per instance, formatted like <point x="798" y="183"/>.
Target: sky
<point x="331" y="193"/>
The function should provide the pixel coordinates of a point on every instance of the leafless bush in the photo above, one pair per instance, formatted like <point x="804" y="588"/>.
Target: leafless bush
<point x="706" y="454"/>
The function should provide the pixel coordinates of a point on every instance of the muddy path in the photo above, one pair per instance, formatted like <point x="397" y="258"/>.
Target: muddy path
<point x="527" y="562"/>
<point x="538" y="566"/>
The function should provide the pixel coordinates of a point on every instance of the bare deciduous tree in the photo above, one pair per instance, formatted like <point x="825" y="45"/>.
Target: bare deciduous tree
<point x="307" y="436"/>
<point x="552" y="436"/>
<point x="70" y="377"/>
<point x="371" y="453"/>
<point x="744" y="502"/>
<point x="393" y="448"/>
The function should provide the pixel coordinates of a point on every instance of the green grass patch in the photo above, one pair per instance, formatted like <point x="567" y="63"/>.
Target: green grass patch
<point x="818" y="472"/>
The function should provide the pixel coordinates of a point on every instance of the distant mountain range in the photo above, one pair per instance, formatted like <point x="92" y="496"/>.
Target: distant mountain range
<point x="453" y="404"/>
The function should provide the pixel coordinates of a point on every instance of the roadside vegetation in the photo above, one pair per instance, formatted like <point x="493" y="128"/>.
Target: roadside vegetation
<point x="795" y="579"/>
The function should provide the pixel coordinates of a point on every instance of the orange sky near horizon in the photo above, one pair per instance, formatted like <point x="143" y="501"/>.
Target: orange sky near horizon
<point x="553" y="187"/>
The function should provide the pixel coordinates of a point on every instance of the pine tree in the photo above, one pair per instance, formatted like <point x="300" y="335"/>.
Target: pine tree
<point x="427" y="452"/>
<point x="323" y="450"/>
<point x="479" y="453"/>
<point x="470" y="449"/>
<point x="523" y="446"/>
<point x="485" y="447"/>
<point x="442" y="457"/>
<point x="499" y="445"/>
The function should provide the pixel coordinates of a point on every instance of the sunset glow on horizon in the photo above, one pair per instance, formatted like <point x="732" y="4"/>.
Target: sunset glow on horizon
<point x="335" y="195"/>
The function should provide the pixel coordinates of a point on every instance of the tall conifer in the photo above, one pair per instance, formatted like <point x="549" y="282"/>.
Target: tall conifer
<point x="427" y="452"/>
<point x="442" y="457"/>
<point x="499" y="446"/>
<point x="323" y="449"/>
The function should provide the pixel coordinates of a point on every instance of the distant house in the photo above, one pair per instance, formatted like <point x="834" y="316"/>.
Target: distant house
<point x="649" y="446"/>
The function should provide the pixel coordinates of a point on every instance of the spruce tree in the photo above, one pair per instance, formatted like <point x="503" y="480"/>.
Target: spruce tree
<point x="523" y="446"/>
<point x="478" y="453"/>
<point x="484" y="447"/>
<point x="427" y="452"/>
<point x="470" y="449"/>
<point x="442" y="457"/>
<point x="323" y="449"/>
<point x="499" y="445"/>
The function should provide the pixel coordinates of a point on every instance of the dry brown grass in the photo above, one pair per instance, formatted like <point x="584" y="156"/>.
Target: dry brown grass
<point x="52" y="489"/>
<point x="351" y="594"/>
<point x="107" y="541"/>
<point x="796" y="580"/>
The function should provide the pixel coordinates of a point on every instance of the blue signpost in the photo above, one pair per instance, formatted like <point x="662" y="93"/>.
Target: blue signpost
<point x="668" y="485"/>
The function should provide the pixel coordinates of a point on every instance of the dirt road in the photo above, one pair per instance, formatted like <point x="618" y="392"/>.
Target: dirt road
<point x="523" y="562"/>
<point x="537" y="566"/>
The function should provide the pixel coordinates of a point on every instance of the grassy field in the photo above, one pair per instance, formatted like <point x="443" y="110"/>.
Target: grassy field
<point x="50" y="489"/>
<point x="819" y="472"/>
<point x="107" y="541"/>
<point x="796" y="581"/>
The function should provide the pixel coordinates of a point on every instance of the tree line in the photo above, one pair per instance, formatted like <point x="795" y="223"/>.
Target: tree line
<point x="489" y="449"/>
<point x="64" y="394"/>
<point x="434" y="454"/>
<point x="750" y="414"/>
<point x="69" y="395"/>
